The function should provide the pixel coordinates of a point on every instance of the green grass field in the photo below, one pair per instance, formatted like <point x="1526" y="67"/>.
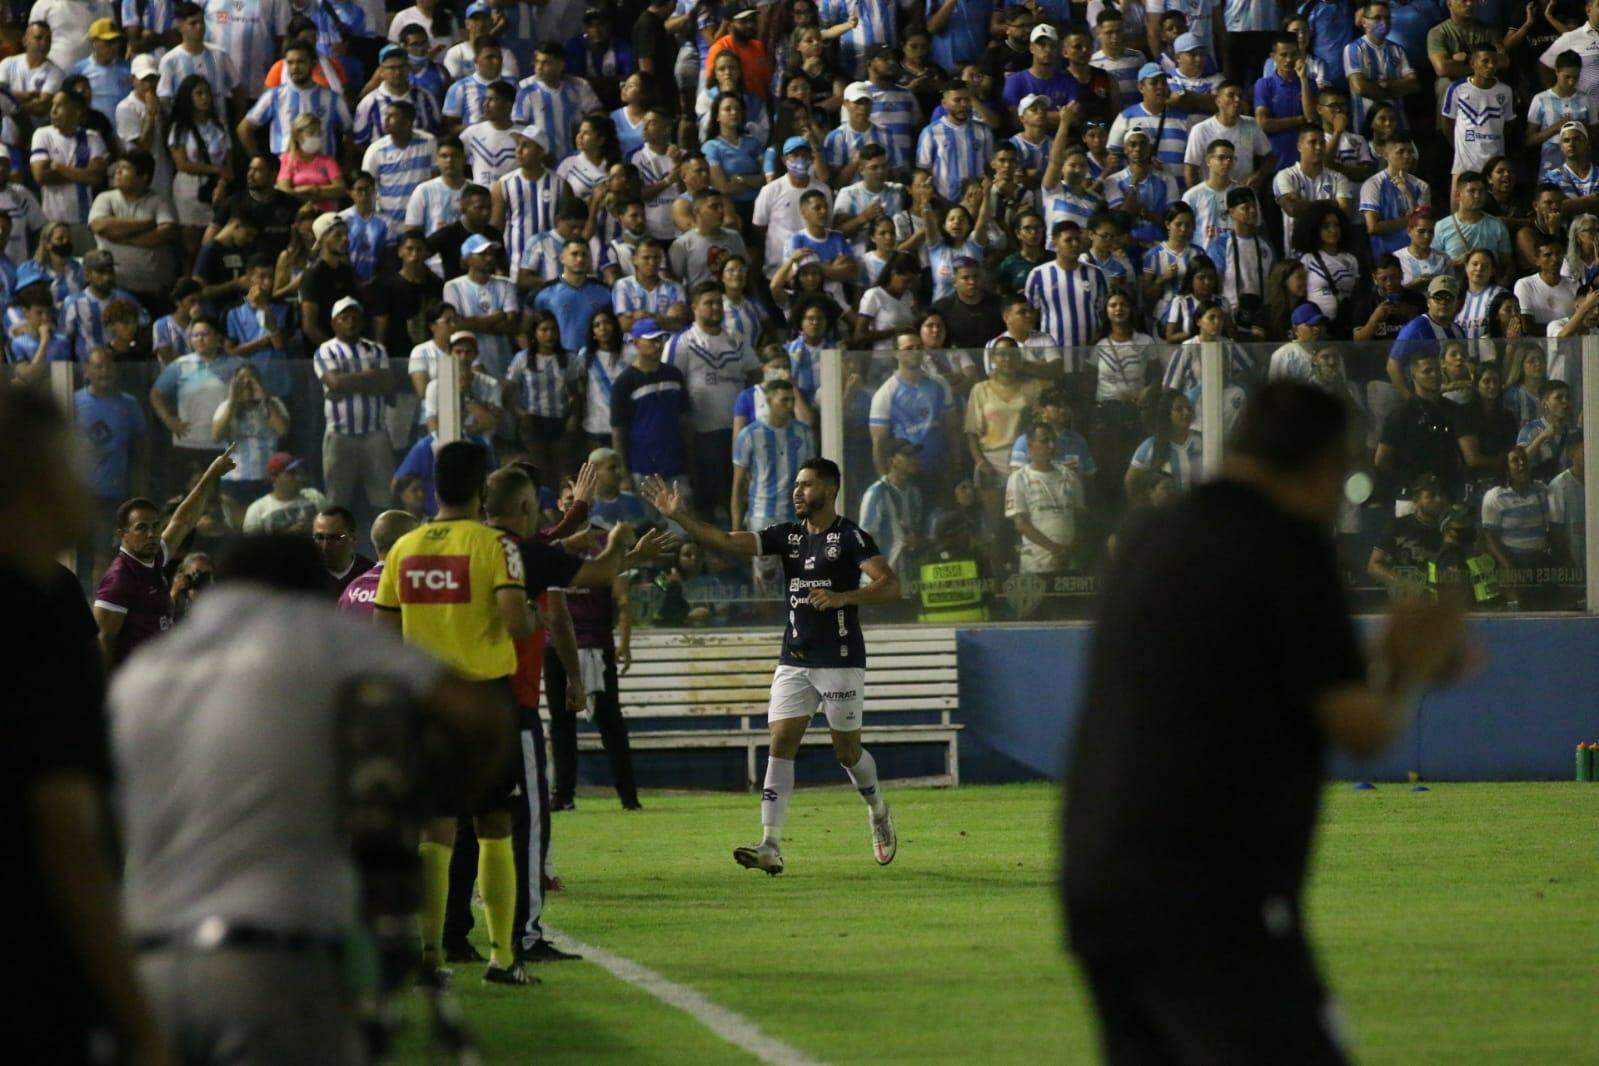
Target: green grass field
<point x="1459" y="925"/>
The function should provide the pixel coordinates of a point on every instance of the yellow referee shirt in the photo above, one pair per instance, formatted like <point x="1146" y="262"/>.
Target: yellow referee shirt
<point x="442" y="578"/>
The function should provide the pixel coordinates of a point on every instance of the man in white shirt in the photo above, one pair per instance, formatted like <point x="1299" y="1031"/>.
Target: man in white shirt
<point x="1584" y="40"/>
<point x="141" y="123"/>
<point x="32" y="77"/>
<point x="716" y="367"/>
<point x="1042" y="500"/>
<point x="1297" y="188"/>
<point x="69" y="22"/>
<point x="1546" y="295"/>
<point x="68" y="161"/>
<point x="1253" y="165"/>
<point x="777" y="207"/>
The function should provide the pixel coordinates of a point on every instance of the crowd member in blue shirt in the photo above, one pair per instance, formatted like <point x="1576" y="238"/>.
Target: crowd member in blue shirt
<point x="574" y="298"/>
<point x="960" y="30"/>
<point x="1044" y="77"/>
<point x="1283" y="99"/>
<point x="652" y="428"/>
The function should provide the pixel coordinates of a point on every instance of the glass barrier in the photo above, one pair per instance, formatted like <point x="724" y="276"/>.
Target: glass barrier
<point x="996" y="482"/>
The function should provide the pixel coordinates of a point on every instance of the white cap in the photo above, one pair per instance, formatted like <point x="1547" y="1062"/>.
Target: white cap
<point x="1042" y="31"/>
<point x="324" y="222"/>
<point x="536" y="134"/>
<point x="858" y="90"/>
<point x="1030" y="99"/>
<point x="145" y="66"/>
<point x="346" y="304"/>
<point x="463" y="335"/>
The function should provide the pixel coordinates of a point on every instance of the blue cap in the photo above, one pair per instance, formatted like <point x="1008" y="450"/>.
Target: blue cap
<point x="963" y="261"/>
<point x="391" y="50"/>
<point x="1187" y="42"/>
<point x="1308" y="314"/>
<point x="478" y="8"/>
<point x="30" y="273"/>
<point x="647" y="329"/>
<point x="475" y="244"/>
<point x="794" y="144"/>
<point x="1151" y="70"/>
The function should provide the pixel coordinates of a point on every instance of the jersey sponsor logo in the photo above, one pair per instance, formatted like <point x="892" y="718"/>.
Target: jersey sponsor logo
<point x="362" y="594"/>
<point x="436" y="579"/>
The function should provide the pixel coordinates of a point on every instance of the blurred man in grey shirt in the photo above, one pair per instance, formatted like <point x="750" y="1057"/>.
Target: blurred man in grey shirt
<point x="240" y="886"/>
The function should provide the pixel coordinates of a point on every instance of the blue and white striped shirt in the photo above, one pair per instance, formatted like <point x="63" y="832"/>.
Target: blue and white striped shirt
<point x="369" y="236"/>
<point x="353" y="413"/>
<point x="1520" y="518"/>
<point x="879" y="24"/>
<point x="1413" y="269"/>
<point x="630" y="297"/>
<point x="843" y="145"/>
<point x="1379" y="62"/>
<point x="1550" y="109"/>
<point x="247" y="31"/>
<point x="1123" y="69"/>
<point x="556" y="111"/>
<point x="772" y="457"/>
<point x="743" y="321"/>
<point x="1032" y="156"/>
<point x="1570" y="182"/>
<point x="463" y="101"/>
<point x="1156" y="192"/>
<point x="1168" y="131"/>
<point x="895" y="110"/>
<point x="372" y="114"/>
<point x="1157" y="260"/>
<point x="954" y="153"/>
<point x="398" y="172"/>
<point x="1183" y="372"/>
<point x="166" y="333"/>
<point x="802" y="363"/>
<point x="277" y="108"/>
<point x="1472" y="318"/>
<point x="83" y="319"/>
<point x="157" y="17"/>
<point x="541" y="385"/>
<point x="472" y="300"/>
<point x="542" y="257"/>
<point x="1251" y="16"/>
<point x="941" y="263"/>
<point x="1069" y="302"/>
<point x="1063" y="205"/>
<point x="889" y="514"/>
<point x="433" y="205"/>
<point x="1185" y="462"/>
<point x="599" y="372"/>
<point x="1391" y="199"/>
<point x="529" y="205"/>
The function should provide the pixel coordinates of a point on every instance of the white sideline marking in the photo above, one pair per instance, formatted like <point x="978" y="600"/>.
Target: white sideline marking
<point x="729" y="1025"/>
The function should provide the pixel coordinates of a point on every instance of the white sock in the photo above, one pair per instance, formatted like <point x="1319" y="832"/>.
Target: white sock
<point x="774" y="798"/>
<point x="864" y="774"/>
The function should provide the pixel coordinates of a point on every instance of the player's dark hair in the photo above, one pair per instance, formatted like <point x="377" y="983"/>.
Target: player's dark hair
<point x="459" y="472"/>
<point x="276" y="560"/>
<point x="138" y="503"/>
<point x="777" y="385"/>
<point x="1291" y="427"/>
<point x="341" y="513"/>
<point x="825" y="469"/>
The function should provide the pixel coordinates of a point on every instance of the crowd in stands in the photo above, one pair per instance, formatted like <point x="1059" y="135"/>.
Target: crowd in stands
<point x="637" y="227"/>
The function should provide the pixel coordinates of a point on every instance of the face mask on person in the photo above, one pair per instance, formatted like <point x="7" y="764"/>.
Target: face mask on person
<point x="800" y="169"/>
<point x="311" y="145"/>
<point x="1378" y="30"/>
<point x="416" y="61"/>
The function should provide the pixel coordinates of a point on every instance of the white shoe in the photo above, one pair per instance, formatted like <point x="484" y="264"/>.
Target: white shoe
<point x="885" y="842"/>
<point x="761" y="857"/>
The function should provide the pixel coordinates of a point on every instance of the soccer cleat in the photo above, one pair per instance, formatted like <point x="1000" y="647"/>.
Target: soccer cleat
<point x="552" y="883"/>
<point x="463" y="952"/>
<point x="544" y="951"/>
<point x="515" y="974"/>
<point x="885" y="842"/>
<point x="563" y="805"/>
<point x="762" y="857"/>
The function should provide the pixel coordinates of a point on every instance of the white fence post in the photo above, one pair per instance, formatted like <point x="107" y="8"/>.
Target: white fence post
<point x="830" y="396"/>
<point x="449" y="396"/>
<point x="1213" y="386"/>
<point x="1590" y="456"/>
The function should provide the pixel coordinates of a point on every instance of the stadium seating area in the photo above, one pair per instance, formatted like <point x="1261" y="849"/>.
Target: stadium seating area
<point x="1014" y="227"/>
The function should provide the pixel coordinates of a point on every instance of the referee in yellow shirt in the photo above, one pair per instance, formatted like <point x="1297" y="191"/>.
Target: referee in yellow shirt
<point x="454" y="588"/>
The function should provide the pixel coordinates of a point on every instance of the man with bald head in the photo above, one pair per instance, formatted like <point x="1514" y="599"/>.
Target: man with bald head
<point x="387" y="528"/>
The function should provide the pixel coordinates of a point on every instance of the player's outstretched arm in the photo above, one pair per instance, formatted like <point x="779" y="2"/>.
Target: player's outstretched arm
<point x="882" y="586"/>
<point x="669" y="502"/>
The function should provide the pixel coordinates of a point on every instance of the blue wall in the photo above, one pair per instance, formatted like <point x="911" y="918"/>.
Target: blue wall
<point x="1519" y="718"/>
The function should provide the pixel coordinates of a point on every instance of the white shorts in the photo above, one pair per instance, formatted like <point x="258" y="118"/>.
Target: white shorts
<point x="839" y="690"/>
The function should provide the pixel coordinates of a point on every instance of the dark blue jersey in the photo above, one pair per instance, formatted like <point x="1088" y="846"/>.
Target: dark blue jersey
<point x="830" y="559"/>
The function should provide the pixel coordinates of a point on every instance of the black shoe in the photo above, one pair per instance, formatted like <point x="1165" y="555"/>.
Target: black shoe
<point x="462" y="952"/>
<point x="563" y="805"/>
<point x="632" y="805"/>
<point x="544" y="951"/>
<point x="516" y="974"/>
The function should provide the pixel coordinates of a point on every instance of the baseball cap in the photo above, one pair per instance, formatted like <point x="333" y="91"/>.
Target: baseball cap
<point x="1308" y="314"/>
<point x="475" y="244"/>
<point x="1043" y="31"/>
<point x="31" y="272"/>
<point x="324" y="222"/>
<point x="390" y="50"/>
<point x="882" y="51"/>
<point x="796" y="144"/>
<point x="282" y="462"/>
<point x="478" y="8"/>
<point x="1030" y="99"/>
<point x="596" y="14"/>
<point x="98" y="259"/>
<point x="744" y="13"/>
<point x="463" y="335"/>
<point x="145" y="66"/>
<point x="1151" y="70"/>
<point x="1136" y="131"/>
<point x="646" y="329"/>
<point x="857" y="90"/>
<point x="104" y="30"/>
<point x="1240" y="195"/>
<point x="536" y="134"/>
<point x="1443" y="283"/>
<point x="1187" y="42"/>
<point x="1576" y="127"/>
<point x="963" y="262"/>
<point x="347" y="304"/>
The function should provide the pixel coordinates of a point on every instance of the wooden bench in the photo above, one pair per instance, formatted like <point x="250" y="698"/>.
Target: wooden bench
<point x="708" y="689"/>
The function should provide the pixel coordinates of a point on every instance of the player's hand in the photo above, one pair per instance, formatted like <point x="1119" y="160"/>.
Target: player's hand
<point x="826" y="599"/>
<point x="624" y="658"/>
<point x="654" y="545"/>
<point x="222" y="463"/>
<point x="661" y="496"/>
<point x="577" y="701"/>
<point x="583" y="484"/>
<point x="621" y="536"/>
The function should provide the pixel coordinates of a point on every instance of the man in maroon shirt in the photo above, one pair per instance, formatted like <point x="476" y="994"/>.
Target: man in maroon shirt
<point x="132" y="603"/>
<point x="361" y="590"/>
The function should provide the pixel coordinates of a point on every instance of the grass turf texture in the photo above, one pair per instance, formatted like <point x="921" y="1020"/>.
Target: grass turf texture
<point x="1456" y="925"/>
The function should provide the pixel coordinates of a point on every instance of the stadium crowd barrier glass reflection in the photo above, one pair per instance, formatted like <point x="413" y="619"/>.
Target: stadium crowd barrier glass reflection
<point x="996" y="483"/>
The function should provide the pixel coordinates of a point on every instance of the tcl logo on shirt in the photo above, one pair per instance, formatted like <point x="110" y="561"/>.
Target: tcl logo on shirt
<point x="436" y="579"/>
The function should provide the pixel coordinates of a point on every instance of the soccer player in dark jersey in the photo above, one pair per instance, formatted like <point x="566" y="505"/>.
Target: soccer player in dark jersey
<point x="823" y="664"/>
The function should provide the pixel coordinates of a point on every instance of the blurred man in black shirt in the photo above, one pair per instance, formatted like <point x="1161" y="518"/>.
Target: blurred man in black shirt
<point x="1409" y="543"/>
<point x="80" y="992"/>
<point x="1196" y="771"/>
<point x="1427" y="435"/>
